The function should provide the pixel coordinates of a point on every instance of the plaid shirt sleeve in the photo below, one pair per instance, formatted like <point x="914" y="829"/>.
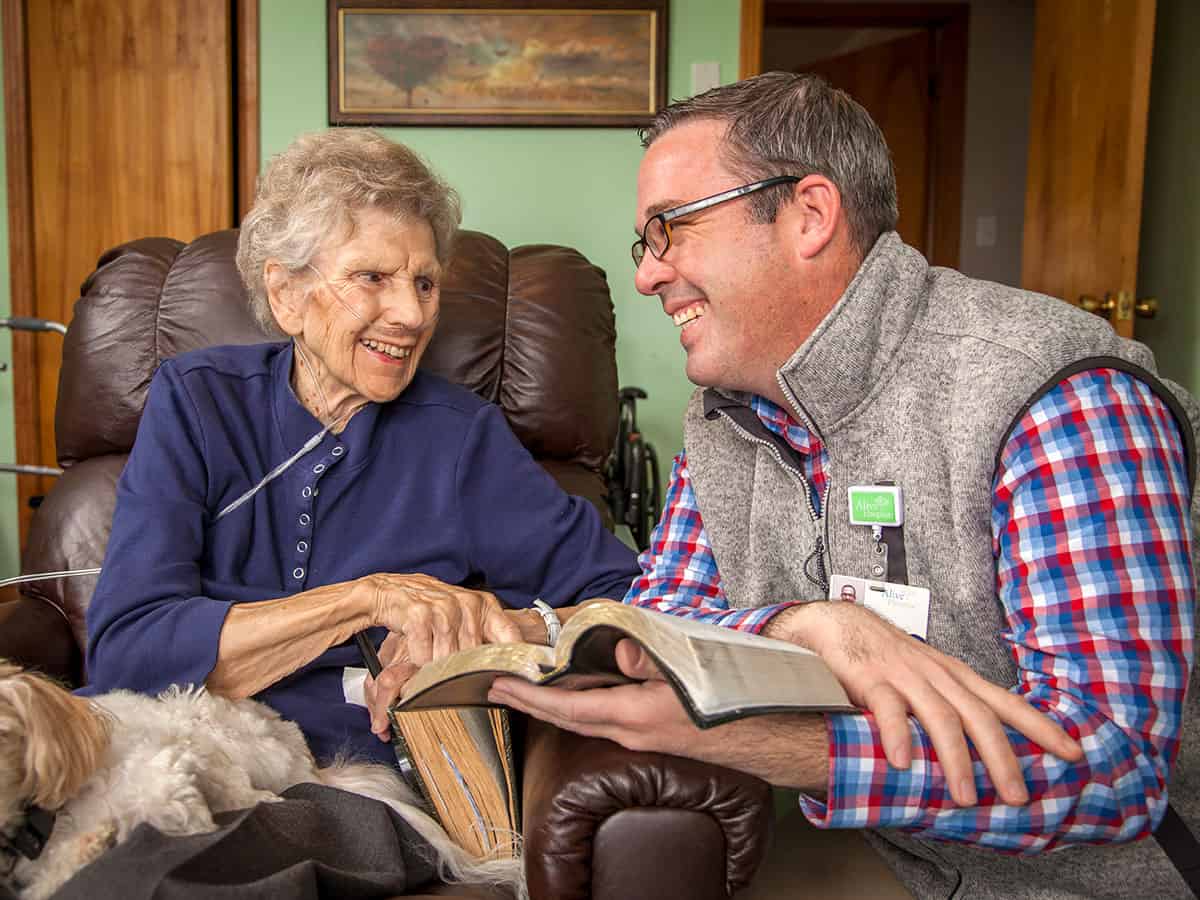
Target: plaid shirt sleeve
<point x="1091" y="536"/>
<point x="679" y="573"/>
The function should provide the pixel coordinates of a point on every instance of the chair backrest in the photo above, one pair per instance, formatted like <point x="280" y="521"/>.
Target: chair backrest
<point x="530" y="329"/>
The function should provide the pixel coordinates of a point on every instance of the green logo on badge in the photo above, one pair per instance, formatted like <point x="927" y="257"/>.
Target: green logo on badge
<point x="875" y="506"/>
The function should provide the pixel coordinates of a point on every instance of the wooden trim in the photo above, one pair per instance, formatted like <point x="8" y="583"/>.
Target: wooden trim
<point x="948" y="21"/>
<point x="860" y="15"/>
<point x="1141" y="44"/>
<point x="948" y="137"/>
<point x="27" y="412"/>
<point x="750" y="52"/>
<point x="246" y="115"/>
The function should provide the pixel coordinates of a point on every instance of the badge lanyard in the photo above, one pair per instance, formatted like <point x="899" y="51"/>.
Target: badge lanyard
<point x="880" y="507"/>
<point x="877" y="506"/>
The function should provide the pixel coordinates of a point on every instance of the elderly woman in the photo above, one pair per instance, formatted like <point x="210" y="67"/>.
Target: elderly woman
<point x="283" y="496"/>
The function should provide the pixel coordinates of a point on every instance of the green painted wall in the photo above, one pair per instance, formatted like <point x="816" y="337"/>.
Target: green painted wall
<point x="1169" y="266"/>
<point x="576" y="187"/>
<point x="573" y="186"/>
<point x="9" y="555"/>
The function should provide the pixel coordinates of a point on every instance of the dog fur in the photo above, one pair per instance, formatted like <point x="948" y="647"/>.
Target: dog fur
<point x="109" y="763"/>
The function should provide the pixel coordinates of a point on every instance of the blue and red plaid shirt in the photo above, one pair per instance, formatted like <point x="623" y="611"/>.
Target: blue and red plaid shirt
<point x="1093" y="567"/>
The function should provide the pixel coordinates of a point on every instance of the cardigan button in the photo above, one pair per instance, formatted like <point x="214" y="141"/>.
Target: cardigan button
<point x="297" y="573"/>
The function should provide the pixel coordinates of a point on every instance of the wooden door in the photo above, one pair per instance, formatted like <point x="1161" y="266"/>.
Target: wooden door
<point x="1083" y="197"/>
<point x="891" y="80"/>
<point x="931" y="110"/>
<point x="121" y="121"/>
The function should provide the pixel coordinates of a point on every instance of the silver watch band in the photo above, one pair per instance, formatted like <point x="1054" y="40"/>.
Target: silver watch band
<point x="550" y="617"/>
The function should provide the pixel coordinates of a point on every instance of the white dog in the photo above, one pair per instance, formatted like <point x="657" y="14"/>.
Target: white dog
<point x="107" y="764"/>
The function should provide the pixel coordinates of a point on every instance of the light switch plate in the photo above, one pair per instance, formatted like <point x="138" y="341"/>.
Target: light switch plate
<point x="985" y="231"/>
<point x="705" y="75"/>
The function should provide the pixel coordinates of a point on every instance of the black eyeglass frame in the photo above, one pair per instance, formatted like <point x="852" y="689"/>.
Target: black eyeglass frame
<point x="666" y="217"/>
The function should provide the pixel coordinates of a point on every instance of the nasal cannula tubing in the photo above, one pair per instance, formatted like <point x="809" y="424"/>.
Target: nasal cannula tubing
<point x="309" y="445"/>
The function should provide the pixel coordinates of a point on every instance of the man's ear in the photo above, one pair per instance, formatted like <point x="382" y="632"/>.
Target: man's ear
<point x="814" y="216"/>
<point x="286" y="297"/>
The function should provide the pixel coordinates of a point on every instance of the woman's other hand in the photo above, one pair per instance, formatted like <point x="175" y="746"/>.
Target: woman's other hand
<point x="436" y="618"/>
<point x="428" y="619"/>
<point x="383" y="691"/>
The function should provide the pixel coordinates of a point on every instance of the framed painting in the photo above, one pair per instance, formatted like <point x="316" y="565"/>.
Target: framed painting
<point x="496" y="62"/>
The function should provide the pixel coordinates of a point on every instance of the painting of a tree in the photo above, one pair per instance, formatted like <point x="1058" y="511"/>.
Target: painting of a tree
<point x="488" y="64"/>
<point x="408" y="61"/>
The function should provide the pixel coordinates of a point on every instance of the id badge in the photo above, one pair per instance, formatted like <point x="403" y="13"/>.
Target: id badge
<point x="905" y="606"/>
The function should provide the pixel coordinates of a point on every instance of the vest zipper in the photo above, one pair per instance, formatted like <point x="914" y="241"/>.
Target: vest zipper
<point x="818" y="553"/>
<point x="821" y="576"/>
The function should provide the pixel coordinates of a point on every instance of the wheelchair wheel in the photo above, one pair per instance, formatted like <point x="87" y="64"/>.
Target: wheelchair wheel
<point x="644" y="493"/>
<point x="634" y="493"/>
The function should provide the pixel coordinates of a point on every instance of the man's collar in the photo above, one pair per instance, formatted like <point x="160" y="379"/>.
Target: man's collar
<point x="855" y="345"/>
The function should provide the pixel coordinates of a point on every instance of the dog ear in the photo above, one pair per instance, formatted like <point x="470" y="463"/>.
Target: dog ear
<point x="50" y="740"/>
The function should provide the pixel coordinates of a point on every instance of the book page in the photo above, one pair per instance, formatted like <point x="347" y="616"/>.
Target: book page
<point x="719" y="673"/>
<point x="463" y="678"/>
<point x="471" y="805"/>
<point x="728" y="682"/>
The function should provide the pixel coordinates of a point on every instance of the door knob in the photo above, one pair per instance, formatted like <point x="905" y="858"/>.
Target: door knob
<point x="1095" y="305"/>
<point x="1120" y="306"/>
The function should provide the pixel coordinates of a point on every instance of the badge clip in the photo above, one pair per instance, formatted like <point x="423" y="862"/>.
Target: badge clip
<point x="877" y="506"/>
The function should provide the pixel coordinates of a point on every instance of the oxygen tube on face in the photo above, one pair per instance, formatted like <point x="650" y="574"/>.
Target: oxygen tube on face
<point x="309" y="445"/>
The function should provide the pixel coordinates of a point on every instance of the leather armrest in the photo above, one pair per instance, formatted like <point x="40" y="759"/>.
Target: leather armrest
<point x="34" y="633"/>
<point x="604" y="822"/>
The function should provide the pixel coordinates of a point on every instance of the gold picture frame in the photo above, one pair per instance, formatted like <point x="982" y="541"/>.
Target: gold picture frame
<point x="496" y="62"/>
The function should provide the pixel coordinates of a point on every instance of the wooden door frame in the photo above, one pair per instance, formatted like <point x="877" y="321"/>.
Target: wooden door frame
<point x="949" y="122"/>
<point x="27" y="413"/>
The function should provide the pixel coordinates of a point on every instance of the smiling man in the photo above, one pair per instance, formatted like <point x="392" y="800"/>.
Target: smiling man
<point x="993" y="471"/>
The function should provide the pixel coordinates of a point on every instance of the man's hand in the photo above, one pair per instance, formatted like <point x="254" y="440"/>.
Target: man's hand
<point x="437" y="618"/>
<point x="642" y="716"/>
<point x="789" y="750"/>
<point x="892" y="674"/>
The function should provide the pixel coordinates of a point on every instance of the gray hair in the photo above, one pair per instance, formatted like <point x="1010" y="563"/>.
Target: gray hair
<point x="311" y="191"/>
<point x="780" y="123"/>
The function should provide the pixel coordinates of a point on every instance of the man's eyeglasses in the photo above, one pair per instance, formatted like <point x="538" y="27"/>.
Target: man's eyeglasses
<point x="656" y="233"/>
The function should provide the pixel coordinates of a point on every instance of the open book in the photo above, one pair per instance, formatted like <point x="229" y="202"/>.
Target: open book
<point x="719" y="674"/>
<point x="464" y="755"/>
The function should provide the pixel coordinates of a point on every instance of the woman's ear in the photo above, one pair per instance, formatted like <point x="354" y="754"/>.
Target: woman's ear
<point x="286" y="296"/>
<point x="814" y="215"/>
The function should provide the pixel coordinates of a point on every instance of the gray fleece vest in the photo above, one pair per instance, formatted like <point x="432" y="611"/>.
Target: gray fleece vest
<point x="916" y="377"/>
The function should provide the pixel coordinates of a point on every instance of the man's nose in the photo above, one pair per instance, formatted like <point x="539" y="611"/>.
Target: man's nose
<point x="652" y="275"/>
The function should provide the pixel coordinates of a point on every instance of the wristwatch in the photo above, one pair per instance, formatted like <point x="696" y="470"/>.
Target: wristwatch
<point x="550" y="617"/>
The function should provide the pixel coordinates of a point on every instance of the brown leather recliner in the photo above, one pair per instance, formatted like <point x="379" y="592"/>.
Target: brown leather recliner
<point x="530" y="329"/>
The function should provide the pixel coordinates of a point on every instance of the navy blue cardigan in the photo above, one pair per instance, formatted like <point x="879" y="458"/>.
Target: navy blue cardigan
<point x="433" y="482"/>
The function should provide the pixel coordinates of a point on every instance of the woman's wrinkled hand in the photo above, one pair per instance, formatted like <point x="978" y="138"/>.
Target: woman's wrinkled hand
<point x="437" y="618"/>
<point x="383" y="691"/>
<point x="428" y="619"/>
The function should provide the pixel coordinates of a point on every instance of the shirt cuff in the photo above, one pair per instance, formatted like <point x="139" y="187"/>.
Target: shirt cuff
<point x="863" y="790"/>
<point x="765" y="615"/>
